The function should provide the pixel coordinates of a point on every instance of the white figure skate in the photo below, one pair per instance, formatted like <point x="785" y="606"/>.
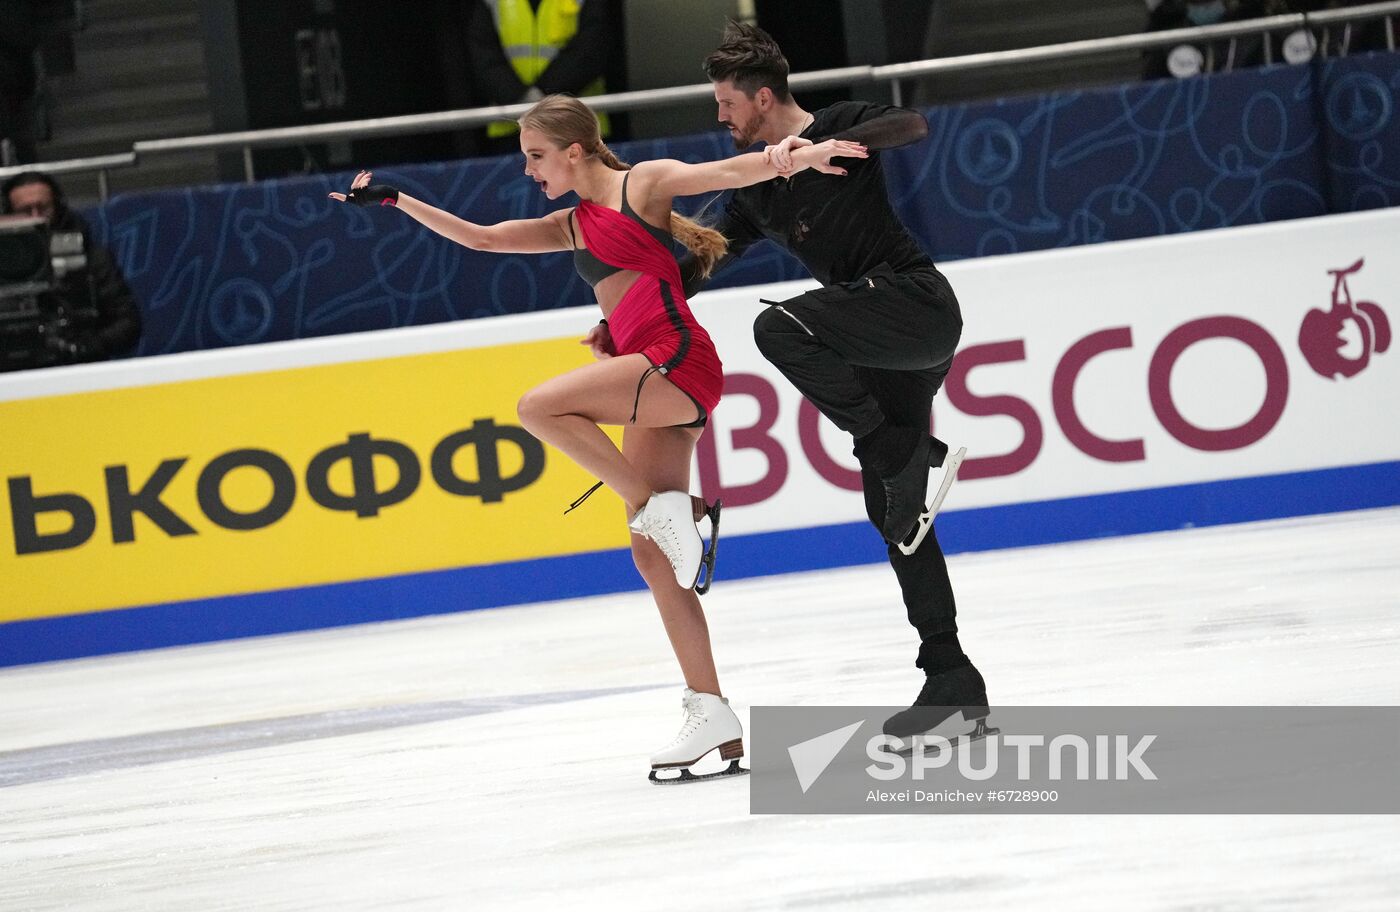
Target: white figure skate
<point x="669" y="519"/>
<point x="709" y="725"/>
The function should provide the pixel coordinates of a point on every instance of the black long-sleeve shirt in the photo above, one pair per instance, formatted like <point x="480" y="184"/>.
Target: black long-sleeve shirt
<point x="118" y="326"/>
<point x="840" y="227"/>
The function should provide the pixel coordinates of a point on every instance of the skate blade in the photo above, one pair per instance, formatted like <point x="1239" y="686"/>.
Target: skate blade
<point x="706" y="574"/>
<point x="950" y="474"/>
<point x="981" y="731"/>
<point x="684" y="775"/>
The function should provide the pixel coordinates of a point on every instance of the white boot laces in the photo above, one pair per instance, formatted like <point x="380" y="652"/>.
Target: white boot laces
<point x="663" y="533"/>
<point x="694" y="715"/>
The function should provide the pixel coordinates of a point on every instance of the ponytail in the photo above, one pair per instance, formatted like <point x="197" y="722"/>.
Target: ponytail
<point x="609" y="158"/>
<point x="707" y="244"/>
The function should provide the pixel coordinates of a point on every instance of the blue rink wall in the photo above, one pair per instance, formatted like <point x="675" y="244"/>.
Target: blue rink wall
<point x="599" y="573"/>
<point x="239" y="264"/>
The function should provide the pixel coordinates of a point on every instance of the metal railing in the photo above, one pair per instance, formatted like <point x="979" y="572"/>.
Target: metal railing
<point x="99" y="163"/>
<point x="1143" y="41"/>
<point x="445" y="121"/>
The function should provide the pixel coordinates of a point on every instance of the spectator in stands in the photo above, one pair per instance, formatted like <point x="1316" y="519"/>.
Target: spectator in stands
<point x="523" y="50"/>
<point x="18" y="38"/>
<point x="1189" y="59"/>
<point x="89" y="314"/>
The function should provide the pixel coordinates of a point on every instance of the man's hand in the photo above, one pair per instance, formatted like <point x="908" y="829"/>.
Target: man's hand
<point x="599" y="341"/>
<point x="362" y="194"/>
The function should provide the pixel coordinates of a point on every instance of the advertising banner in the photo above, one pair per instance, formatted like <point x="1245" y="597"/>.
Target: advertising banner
<point x="1214" y="377"/>
<point x="1138" y="366"/>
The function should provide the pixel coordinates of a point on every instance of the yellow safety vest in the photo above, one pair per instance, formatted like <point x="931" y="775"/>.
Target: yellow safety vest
<point x="532" y="40"/>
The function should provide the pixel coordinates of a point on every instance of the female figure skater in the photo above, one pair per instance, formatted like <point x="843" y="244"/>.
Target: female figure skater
<point x="657" y="373"/>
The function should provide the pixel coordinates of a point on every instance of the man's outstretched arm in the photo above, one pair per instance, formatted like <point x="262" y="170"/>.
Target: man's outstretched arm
<point x="894" y="128"/>
<point x="876" y="127"/>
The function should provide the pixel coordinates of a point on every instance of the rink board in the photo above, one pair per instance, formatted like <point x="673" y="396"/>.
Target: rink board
<point x="1107" y="390"/>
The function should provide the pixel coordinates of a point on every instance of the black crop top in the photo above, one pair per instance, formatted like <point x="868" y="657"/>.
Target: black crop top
<point x="594" y="270"/>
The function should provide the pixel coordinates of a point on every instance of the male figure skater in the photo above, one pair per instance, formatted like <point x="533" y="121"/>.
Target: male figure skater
<point x="871" y="347"/>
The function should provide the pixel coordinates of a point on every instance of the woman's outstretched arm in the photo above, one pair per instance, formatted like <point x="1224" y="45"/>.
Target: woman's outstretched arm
<point x="540" y="235"/>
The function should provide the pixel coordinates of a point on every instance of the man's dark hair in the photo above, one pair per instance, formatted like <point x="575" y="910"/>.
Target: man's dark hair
<point x="750" y="58"/>
<point x="24" y="179"/>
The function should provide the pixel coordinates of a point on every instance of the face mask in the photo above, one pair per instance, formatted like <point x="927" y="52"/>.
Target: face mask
<point x="1205" y="13"/>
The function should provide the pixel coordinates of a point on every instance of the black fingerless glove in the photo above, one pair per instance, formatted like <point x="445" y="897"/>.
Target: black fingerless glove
<point x="383" y="194"/>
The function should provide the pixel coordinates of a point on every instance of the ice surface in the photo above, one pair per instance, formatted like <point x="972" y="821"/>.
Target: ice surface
<point x="497" y="759"/>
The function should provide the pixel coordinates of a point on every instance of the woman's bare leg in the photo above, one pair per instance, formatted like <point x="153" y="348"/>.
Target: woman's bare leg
<point x="662" y="457"/>
<point x="565" y="412"/>
<point x="656" y="456"/>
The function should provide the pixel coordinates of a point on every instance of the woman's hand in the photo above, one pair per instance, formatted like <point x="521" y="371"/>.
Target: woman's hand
<point x="362" y="194"/>
<point x="818" y="156"/>
<point x="599" y="341"/>
<point x="780" y="156"/>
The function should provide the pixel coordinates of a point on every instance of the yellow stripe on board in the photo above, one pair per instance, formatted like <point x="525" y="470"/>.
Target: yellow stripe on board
<point x="232" y="450"/>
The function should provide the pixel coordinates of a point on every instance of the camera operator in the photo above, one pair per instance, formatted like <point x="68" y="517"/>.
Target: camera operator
<point x="86" y="312"/>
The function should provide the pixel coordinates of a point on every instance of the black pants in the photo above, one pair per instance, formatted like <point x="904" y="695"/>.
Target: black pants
<point x="865" y="352"/>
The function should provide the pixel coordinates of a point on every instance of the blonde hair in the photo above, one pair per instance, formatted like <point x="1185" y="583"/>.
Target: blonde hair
<point x="566" y="120"/>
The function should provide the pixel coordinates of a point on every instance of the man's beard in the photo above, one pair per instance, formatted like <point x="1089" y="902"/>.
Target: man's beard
<point x="749" y="134"/>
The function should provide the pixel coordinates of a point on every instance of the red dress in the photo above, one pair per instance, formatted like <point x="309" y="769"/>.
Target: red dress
<point x="653" y="317"/>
